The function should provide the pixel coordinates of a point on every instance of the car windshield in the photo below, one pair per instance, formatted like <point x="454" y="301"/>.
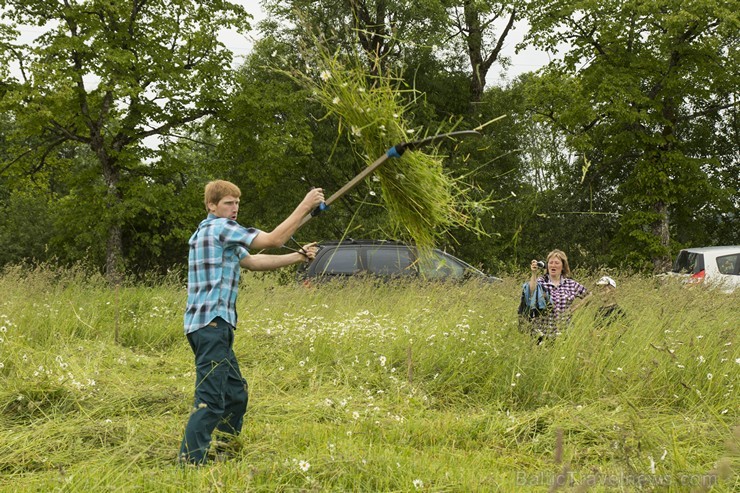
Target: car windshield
<point x="437" y="266"/>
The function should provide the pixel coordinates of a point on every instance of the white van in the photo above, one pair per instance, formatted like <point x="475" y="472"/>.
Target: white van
<point x="714" y="266"/>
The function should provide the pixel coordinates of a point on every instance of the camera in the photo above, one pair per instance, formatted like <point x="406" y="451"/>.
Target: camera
<point x="540" y="264"/>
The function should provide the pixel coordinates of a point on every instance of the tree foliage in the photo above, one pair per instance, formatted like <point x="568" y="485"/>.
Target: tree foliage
<point x="638" y="94"/>
<point x="620" y="151"/>
<point x="106" y="76"/>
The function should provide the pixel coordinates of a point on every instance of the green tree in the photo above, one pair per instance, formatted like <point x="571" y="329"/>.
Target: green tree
<point x="640" y="95"/>
<point x="384" y="30"/>
<point x="106" y="76"/>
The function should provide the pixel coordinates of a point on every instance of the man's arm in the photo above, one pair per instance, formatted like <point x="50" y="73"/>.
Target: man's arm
<point x="263" y="262"/>
<point x="281" y="234"/>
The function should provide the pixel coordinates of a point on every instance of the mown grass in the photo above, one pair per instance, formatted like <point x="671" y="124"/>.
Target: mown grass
<point x="370" y="387"/>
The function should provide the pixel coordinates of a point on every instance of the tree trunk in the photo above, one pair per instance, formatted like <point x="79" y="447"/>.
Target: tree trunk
<point x="662" y="263"/>
<point x="113" y="200"/>
<point x="475" y="52"/>
<point x="477" y="27"/>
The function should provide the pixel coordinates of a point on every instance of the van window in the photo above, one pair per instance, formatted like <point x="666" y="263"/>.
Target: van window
<point x="338" y="261"/>
<point x="689" y="262"/>
<point x="728" y="264"/>
<point x="389" y="261"/>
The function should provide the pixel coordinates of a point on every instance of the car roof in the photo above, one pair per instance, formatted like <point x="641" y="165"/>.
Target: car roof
<point x="713" y="249"/>
<point x="352" y="241"/>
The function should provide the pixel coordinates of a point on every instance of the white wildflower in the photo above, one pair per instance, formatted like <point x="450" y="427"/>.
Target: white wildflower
<point x="336" y="100"/>
<point x="382" y="360"/>
<point x="305" y="466"/>
<point x="325" y="75"/>
<point x="709" y="376"/>
<point x="418" y="484"/>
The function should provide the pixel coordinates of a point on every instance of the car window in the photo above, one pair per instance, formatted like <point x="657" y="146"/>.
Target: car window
<point x="338" y="261"/>
<point x="728" y="264"/>
<point x="389" y="261"/>
<point x="439" y="266"/>
<point x="689" y="262"/>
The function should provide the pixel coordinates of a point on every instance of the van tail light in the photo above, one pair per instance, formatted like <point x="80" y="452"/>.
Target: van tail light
<point x="697" y="278"/>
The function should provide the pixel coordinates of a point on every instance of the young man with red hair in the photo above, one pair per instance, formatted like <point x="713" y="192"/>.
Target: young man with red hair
<point x="219" y="248"/>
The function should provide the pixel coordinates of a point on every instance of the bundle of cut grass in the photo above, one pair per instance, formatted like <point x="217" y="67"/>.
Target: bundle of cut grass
<point x="422" y="200"/>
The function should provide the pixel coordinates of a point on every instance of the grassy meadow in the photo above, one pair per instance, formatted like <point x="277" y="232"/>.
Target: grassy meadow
<point x="370" y="387"/>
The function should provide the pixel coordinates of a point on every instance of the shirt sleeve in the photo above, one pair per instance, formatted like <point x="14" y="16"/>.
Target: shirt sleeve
<point x="580" y="289"/>
<point x="238" y="237"/>
<point x="241" y="252"/>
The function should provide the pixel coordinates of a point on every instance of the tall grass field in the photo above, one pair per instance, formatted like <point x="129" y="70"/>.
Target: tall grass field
<point x="370" y="386"/>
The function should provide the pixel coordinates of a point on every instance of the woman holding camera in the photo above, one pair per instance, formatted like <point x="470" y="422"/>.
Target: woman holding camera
<point x="556" y="291"/>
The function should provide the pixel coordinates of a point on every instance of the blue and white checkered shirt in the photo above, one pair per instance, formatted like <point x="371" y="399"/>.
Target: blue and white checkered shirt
<point x="216" y="248"/>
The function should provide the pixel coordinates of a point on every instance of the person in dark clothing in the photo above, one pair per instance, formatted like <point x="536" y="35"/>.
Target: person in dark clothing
<point x="609" y="311"/>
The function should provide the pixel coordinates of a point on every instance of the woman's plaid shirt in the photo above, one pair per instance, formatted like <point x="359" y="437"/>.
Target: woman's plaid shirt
<point x="216" y="248"/>
<point x="561" y="298"/>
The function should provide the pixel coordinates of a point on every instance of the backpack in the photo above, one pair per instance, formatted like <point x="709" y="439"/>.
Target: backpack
<point x="529" y="311"/>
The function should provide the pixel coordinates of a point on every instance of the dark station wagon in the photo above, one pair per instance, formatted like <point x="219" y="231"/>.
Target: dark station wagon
<point x="386" y="259"/>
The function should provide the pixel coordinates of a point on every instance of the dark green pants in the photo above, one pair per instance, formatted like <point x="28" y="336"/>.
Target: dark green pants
<point x="221" y="393"/>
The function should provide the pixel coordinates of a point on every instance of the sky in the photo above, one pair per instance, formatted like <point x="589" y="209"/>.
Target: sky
<point x="525" y="61"/>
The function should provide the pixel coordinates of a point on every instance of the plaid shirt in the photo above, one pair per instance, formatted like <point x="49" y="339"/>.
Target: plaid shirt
<point x="561" y="297"/>
<point x="216" y="248"/>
